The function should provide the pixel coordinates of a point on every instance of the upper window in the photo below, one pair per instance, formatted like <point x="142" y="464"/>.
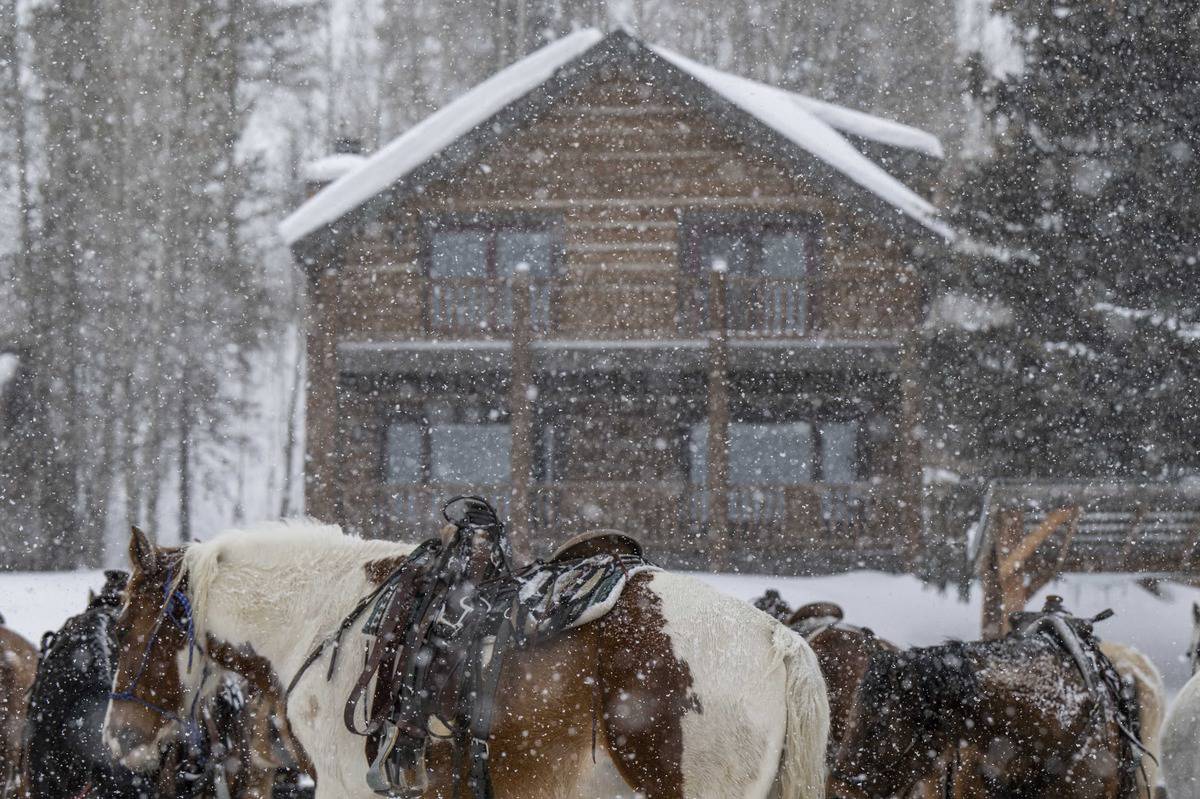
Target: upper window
<point x="470" y="265"/>
<point x="769" y="261"/>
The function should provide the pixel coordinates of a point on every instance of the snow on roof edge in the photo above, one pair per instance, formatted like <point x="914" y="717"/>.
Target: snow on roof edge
<point x="331" y="167"/>
<point x="809" y="123"/>
<point x="433" y="134"/>
<point x="875" y="128"/>
<point x="780" y="110"/>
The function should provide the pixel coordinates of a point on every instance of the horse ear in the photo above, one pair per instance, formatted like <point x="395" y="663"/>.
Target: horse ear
<point x="141" y="552"/>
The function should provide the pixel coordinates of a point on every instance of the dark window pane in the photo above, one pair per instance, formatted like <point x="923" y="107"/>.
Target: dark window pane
<point x="770" y="454"/>
<point x="402" y="453"/>
<point x="733" y="249"/>
<point x="529" y="247"/>
<point x="839" y="452"/>
<point x="459" y="254"/>
<point x="784" y="255"/>
<point x="473" y="454"/>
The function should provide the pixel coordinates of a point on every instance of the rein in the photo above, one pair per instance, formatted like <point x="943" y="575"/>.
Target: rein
<point x="176" y="608"/>
<point x="333" y="640"/>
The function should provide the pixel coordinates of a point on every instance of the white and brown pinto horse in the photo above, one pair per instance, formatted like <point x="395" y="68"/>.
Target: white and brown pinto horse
<point x="680" y="691"/>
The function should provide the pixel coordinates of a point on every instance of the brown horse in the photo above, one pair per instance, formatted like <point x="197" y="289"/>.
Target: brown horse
<point x="647" y="690"/>
<point x="248" y="748"/>
<point x="1014" y="716"/>
<point x="18" y="667"/>
<point x="844" y="652"/>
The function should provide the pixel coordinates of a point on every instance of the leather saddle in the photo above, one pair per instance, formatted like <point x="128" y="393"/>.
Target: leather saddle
<point x="441" y="627"/>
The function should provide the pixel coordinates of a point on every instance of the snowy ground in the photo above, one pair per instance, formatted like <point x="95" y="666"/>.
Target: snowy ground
<point x="899" y="608"/>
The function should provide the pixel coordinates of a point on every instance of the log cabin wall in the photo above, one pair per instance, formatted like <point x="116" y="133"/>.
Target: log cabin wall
<point x="621" y="173"/>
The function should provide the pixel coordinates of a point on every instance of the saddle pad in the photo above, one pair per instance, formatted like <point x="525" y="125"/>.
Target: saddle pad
<point x="560" y="595"/>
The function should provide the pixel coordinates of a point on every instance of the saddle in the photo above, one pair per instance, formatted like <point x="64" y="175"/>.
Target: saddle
<point x="440" y="628"/>
<point x="814" y="617"/>
<point x="1077" y="638"/>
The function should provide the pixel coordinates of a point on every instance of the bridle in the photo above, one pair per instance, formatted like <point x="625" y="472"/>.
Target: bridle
<point x="177" y="609"/>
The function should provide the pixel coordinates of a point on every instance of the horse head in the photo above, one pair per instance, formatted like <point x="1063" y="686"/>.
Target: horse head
<point x="902" y="721"/>
<point x="154" y="677"/>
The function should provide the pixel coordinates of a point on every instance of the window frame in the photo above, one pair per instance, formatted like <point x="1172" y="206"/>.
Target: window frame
<point x="423" y="420"/>
<point x="816" y="423"/>
<point x="696" y="226"/>
<point x="491" y="225"/>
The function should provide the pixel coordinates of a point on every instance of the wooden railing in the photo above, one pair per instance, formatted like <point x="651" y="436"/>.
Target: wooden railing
<point x="791" y="528"/>
<point x="478" y="307"/>
<point x="767" y="307"/>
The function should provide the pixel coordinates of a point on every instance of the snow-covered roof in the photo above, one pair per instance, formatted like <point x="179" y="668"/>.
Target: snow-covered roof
<point x="332" y="167"/>
<point x="788" y="114"/>
<point x="868" y="126"/>
<point x="811" y="124"/>
<point x="433" y="134"/>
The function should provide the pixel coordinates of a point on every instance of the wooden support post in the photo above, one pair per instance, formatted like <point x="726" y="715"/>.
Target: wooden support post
<point x="912" y="497"/>
<point x="717" y="485"/>
<point x="997" y="602"/>
<point x="521" y="398"/>
<point x="321" y="456"/>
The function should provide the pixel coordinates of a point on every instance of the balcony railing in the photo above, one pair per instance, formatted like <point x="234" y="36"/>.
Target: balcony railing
<point x="767" y="307"/>
<point x="806" y="523"/>
<point x="474" y="307"/>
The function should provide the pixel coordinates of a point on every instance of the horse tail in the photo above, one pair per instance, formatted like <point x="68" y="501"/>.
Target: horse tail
<point x="802" y="762"/>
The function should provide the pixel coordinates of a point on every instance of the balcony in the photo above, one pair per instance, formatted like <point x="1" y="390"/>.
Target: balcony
<point x="783" y="529"/>
<point x="659" y="305"/>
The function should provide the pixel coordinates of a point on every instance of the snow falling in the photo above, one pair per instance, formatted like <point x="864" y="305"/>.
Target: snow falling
<point x="887" y="306"/>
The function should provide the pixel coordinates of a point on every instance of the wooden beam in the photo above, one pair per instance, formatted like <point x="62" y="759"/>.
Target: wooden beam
<point x="322" y="442"/>
<point x="521" y="396"/>
<point x="1010" y="563"/>
<point x="717" y="484"/>
<point x="1010" y="524"/>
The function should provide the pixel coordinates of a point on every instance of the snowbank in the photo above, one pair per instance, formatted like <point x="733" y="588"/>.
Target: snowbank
<point x="898" y="607"/>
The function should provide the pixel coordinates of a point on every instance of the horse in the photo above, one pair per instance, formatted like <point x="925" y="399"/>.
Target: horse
<point x="64" y="754"/>
<point x="678" y="690"/>
<point x="843" y="651"/>
<point x="1011" y="717"/>
<point x="18" y="666"/>
<point x="246" y="753"/>
<point x="1181" y="731"/>
<point x="1150" y="694"/>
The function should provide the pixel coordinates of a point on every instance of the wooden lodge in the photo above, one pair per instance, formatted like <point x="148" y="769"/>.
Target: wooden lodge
<point x="611" y="287"/>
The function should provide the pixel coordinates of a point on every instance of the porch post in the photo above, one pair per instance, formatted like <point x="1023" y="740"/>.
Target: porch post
<point x="321" y="459"/>
<point x="717" y="484"/>
<point x="521" y="398"/>
<point x="912" y="489"/>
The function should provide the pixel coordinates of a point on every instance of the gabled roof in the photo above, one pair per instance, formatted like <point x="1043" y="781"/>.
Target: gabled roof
<point x="501" y="103"/>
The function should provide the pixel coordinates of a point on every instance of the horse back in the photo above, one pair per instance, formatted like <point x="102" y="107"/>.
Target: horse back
<point x="677" y="691"/>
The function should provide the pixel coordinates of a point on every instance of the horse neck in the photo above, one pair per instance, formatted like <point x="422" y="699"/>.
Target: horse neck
<point x="280" y="603"/>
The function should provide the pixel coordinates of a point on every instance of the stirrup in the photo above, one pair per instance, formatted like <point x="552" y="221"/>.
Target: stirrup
<point x="387" y="778"/>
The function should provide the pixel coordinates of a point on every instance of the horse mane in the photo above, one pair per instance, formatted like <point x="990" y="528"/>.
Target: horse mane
<point x="929" y="686"/>
<point x="273" y="548"/>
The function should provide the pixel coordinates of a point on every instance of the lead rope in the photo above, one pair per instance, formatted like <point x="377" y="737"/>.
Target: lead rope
<point x="595" y="695"/>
